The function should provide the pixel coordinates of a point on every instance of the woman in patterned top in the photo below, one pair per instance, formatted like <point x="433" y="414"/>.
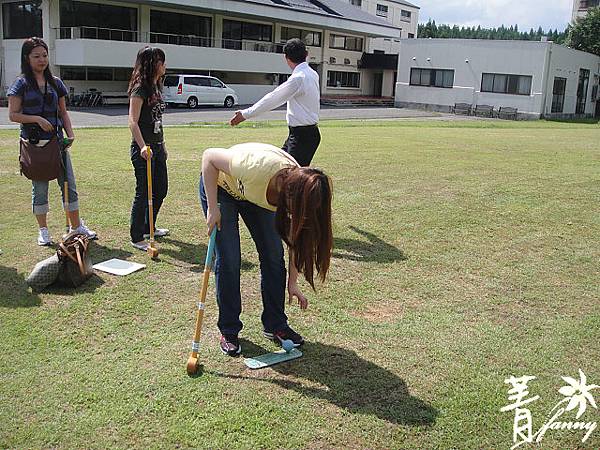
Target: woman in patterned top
<point x="36" y="100"/>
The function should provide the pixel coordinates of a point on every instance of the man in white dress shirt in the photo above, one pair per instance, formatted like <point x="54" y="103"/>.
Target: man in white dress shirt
<point x="301" y="92"/>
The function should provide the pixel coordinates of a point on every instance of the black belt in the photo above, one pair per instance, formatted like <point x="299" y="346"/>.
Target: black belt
<point x="304" y="126"/>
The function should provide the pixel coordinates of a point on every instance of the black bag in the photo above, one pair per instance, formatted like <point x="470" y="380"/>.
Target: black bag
<point x="76" y="263"/>
<point x="40" y="163"/>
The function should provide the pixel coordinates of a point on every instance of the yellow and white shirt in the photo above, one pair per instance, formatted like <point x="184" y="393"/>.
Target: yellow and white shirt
<point x="252" y="167"/>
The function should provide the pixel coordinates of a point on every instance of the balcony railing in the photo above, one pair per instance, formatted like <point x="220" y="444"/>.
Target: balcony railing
<point x="110" y="34"/>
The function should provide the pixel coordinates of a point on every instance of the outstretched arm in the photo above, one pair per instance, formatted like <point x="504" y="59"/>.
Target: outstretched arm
<point x="270" y="101"/>
<point x="213" y="161"/>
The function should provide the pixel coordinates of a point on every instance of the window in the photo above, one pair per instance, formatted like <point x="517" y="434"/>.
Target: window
<point x="122" y="74"/>
<point x="356" y="3"/>
<point x="411" y="35"/>
<point x="98" y="21"/>
<point x="215" y="83"/>
<point x="343" y="79"/>
<point x="234" y="32"/>
<point x="582" y="88"/>
<point x="443" y="78"/>
<point x="72" y="73"/>
<point x="180" y="29"/>
<point x="506" y="84"/>
<point x="405" y="15"/>
<point x="558" y="95"/>
<point x="345" y="42"/>
<point x="382" y="10"/>
<point x="22" y="19"/>
<point x="171" y="81"/>
<point x="311" y="38"/>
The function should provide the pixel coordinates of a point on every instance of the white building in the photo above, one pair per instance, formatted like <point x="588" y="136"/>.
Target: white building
<point x="93" y="43"/>
<point x="539" y="79"/>
<point x="581" y="7"/>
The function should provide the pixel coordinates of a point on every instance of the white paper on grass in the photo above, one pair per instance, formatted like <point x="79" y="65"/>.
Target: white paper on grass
<point x="118" y="266"/>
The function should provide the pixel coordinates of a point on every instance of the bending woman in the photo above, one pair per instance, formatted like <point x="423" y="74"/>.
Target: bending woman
<point x="277" y="200"/>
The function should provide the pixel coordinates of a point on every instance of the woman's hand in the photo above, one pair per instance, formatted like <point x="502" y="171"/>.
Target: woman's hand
<point x="294" y="291"/>
<point x="44" y="124"/>
<point x="144" y="152"/>
<point x="213" y="218"/>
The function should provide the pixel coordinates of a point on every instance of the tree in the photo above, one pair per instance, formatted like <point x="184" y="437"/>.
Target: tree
<point x="584" y="34"/>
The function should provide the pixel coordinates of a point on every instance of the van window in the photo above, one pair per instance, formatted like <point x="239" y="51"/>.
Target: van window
<point x="171" y="81"/>
<point x="191" y="80"/>
<point x="215" y="83"/>
<point x="203" y="82"/>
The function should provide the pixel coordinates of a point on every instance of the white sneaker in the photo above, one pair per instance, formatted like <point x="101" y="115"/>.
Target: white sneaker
<point x="44" y="237"/>
<point x="159" y="232"/>
<point x="83" y="229"/>
<point x="142" y="245"/>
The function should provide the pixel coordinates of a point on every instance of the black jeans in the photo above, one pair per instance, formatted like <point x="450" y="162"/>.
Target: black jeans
<point x="302" y="143"/>
<point x="139" y="224"/>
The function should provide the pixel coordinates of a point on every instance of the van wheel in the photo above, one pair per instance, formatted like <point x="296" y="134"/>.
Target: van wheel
<point x="229" y="102"/>
<point x="192" y="102"/>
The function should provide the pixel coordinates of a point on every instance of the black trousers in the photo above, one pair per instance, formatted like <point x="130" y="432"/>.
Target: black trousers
<point x="139" y="224"/>
<point x="302" y="143"/>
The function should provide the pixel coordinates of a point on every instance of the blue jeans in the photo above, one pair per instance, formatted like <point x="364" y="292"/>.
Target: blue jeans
<point x="138" y="223"/>
<point x="261" y="224"/>
<point x="39" y="190"/>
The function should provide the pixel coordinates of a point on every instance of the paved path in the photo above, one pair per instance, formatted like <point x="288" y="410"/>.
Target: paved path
<point x="117" y="116"/>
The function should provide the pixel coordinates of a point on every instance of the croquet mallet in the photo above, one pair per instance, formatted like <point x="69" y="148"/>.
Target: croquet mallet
<point x="152" y="250"/>
<point x="65" y="148"/>
<point x="192" y="362"/>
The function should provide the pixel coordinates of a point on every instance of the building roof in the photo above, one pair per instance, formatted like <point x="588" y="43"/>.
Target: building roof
<point x="328" y="14"/>
<point x="402" y="2"/>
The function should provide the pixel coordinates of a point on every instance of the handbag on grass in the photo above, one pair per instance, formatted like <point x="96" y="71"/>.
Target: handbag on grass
<point x="40" y="162"/>
<point x="76" y="263"/>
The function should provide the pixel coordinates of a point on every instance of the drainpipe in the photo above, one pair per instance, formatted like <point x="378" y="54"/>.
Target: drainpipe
<point x="545" y="80"/>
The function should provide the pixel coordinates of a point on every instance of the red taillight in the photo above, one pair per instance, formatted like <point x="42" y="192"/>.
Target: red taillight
<point x="180" y="89"/>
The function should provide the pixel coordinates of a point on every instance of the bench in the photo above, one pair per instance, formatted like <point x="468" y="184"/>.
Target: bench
<point x="507" y="112"/>
<point x="484" y="111"/>
<point x="462" y="108"/>
<point x="115" y="98"/>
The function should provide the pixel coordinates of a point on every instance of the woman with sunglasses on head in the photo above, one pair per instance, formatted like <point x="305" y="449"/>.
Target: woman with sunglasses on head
<point x="36" y="100"/>
<point x="277" y="199"/>
<point x="146" y="107"/>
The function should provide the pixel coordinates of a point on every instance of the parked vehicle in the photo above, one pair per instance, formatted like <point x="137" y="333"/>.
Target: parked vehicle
<point x="196" y="90"/>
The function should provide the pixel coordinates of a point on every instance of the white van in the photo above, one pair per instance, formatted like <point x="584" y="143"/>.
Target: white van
<point x="195" y="90"/>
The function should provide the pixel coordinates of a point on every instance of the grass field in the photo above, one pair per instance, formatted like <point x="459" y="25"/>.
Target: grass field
<point x="464" y="253"/>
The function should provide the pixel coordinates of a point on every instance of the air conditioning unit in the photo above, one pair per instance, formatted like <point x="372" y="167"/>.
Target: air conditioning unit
<point x="332" y="60"/>
<point x="346" y="61"/>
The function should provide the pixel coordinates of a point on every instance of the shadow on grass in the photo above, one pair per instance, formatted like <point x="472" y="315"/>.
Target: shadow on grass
<point x="375" y="250"/>
<point x="14" y="292"/>
<point x="588" y="121"/>
<point x="194" y="254"/>
<point x="349" y="382"/>
<point x="101" y="252"/>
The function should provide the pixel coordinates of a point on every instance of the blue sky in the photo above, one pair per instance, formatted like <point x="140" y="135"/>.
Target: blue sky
<point x="493" y="13"/>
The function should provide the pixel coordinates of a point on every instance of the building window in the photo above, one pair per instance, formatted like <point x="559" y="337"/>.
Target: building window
<point x="356" y="3"/>
<point x="180" y="29"/>
<point x="582" y="88"/>
<point x="506" y="84"/>
<point x="343" y="79"/>
<point x="558" y="95"/>
<point x="234" y="32"/>
<point x="411" y="35"/>
<point x="345" y="42"/>
<point x="442" y="78"/>
<point x="22" y="19"/>
<point x="310" y="38"/>
<point x="405" y="15"/>
<point x="382" y="10"/>
<point x="79" y="73"/>
<point x="585" y="4"/>
<point x="98" y="21"/>
<point x="72" y="73"/>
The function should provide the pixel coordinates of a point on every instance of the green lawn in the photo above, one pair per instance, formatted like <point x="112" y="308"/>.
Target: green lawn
<point x="464" y="253"/>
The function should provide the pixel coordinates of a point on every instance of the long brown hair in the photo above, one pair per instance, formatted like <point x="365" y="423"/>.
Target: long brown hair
<point x="144" y="70"/>
<point x="28" y="45"/>
<point x="303" y="219"/>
